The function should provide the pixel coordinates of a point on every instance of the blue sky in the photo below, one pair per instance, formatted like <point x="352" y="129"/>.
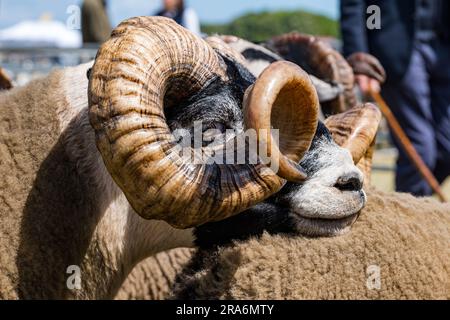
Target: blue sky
<point x="217" y="11"/>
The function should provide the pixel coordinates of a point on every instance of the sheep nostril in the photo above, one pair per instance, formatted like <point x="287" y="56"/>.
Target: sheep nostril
<point x="351" y="183"/>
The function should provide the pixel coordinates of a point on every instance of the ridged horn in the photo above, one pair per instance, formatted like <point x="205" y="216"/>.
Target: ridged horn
<point x="319" y="59"/>
<point x="284" y="97"/>
<point x="356" y="131"/>
<point x="151" y="63"/>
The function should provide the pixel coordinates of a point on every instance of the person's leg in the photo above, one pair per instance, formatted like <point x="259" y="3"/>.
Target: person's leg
<point x="410" y="103"/>
<point x="440" y="105"/>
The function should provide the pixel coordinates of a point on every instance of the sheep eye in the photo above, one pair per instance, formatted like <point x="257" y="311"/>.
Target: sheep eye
<point x="211" y="134"/>
<point x="218" y="127"/>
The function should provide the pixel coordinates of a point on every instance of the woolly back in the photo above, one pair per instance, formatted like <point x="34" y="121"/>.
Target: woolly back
<point x="403" y="240"/>
<point x="43" y="200"/>
<point x="152" y="279"/>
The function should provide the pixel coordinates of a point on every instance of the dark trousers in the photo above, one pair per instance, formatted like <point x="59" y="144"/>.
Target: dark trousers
<point x="421" y="103"/>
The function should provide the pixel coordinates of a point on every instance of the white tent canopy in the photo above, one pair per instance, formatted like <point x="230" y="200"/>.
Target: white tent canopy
<point x="40" y="34"/>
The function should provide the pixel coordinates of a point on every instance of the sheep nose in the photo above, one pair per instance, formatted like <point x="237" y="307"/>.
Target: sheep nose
<point x="351" y="181"/>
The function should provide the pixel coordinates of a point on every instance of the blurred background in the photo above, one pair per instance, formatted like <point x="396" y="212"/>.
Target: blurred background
<point x="39" y="35"/>
<point x="212" y="14"/>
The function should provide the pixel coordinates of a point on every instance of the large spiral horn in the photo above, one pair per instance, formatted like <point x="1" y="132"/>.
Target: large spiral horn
<point x="151" y="63"/>
<point x="321" y="60"/>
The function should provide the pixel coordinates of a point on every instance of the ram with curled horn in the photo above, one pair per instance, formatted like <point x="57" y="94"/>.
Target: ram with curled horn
<point x="93" y="185"/>
<point x="327" y="203"/>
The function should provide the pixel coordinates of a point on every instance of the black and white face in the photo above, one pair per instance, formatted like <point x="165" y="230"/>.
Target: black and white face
<point x="330" y="199"/>
<point x="325" y="204"/>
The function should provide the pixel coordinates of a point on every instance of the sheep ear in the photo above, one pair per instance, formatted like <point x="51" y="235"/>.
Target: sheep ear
<point x="221" y="47"/>
<point x="5" y="81"/>
<point x="356" y="131"/>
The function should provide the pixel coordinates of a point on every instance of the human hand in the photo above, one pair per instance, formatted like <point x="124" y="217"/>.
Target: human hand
<point x="367" y="84"/>
<point x="369" y="73"/>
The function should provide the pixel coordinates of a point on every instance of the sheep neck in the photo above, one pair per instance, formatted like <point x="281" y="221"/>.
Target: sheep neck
<point x="120" y="237"/>
<point x="60" y="208"/>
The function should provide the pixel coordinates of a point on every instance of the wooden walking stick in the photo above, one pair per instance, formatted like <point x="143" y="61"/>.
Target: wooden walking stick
<point x="407" y="145"/>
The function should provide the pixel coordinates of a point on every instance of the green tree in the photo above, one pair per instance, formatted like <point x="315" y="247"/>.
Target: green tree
<point x="258" y="27"/>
